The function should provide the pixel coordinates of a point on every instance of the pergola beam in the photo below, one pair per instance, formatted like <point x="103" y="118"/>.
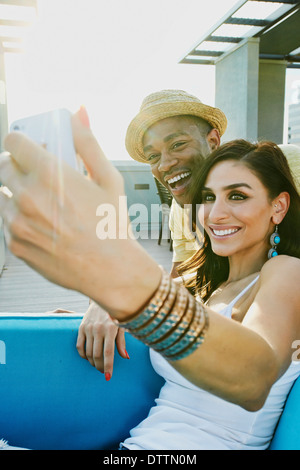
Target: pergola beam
<point x="206" y="53"/>
<point x="289" y="2"/>
<point x="19" y="3"/>
<point x="15" y="23"/>
<point x="247" y="22"/>
<point x="226" y="39"/>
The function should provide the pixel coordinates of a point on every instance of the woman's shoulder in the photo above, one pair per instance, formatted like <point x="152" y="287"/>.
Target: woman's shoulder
<point x="283" y="267"/>
<point x="280" y="281"/>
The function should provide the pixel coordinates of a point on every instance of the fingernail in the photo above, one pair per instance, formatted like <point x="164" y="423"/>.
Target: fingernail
<point x="83" y="115"/>
<point x="126" y="354"/>
<point x="107" y="376"/>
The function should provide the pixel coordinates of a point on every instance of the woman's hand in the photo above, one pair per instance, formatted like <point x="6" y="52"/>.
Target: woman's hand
<point x="51" y="223"/>
<point x="96" y="340"/>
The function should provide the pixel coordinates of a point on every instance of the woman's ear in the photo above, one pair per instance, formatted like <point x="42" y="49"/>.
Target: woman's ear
<point x="280" y="205"/>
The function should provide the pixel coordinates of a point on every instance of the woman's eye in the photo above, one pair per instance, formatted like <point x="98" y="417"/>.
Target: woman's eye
<point x="208" y="198"/>
<point x="238" y="197"/>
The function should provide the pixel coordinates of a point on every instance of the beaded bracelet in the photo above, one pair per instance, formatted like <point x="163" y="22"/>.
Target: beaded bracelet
<point x="175" y="333"/>
<point x="171" y="318"/>
<point x="161" y="315"/>
<point x="153" y="307"/>
<point x="193" y="339"/>
<point x="173" y="323"/>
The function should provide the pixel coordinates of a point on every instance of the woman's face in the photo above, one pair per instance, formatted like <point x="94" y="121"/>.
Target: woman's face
<point x="236" y="211"/>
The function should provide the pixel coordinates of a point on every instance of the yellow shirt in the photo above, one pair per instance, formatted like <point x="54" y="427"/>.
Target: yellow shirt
<point x="184" y="239"/>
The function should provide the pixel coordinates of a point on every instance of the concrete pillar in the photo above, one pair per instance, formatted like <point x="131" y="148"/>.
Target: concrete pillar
<point x="251" y="92"/>
<point x="271" y="98"/>
<point x="237" y="79"/>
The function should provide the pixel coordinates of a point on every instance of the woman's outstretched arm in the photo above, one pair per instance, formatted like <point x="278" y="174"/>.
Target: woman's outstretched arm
<point x="52" y="223"/>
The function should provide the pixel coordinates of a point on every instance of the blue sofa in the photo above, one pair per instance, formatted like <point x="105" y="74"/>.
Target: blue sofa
<point x="53" y="399"/>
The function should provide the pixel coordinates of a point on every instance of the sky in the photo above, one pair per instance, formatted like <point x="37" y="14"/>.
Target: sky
<point x="108" y="55"/>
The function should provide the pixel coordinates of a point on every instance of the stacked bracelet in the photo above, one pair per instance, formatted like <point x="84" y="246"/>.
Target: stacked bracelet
<point x="173" y="323"/>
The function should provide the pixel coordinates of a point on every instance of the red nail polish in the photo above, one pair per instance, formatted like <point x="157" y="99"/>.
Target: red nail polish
<point x="83" y="115"/>
<point x="126" y="354"/>
<point x="107" y="376"/>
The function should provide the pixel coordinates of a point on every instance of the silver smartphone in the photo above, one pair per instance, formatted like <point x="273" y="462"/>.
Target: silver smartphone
<point x="53" y="131"/>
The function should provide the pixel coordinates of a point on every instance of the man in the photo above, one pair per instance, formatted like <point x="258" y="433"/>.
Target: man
<point x="173" y="132"/>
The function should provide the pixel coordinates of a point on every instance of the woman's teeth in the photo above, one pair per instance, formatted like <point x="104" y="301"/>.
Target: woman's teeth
<point x="221" y="233"/>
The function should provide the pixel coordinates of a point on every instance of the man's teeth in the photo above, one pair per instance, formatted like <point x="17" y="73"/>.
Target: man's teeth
<point x="178" y="177"/>
<point x="221" y="233"/>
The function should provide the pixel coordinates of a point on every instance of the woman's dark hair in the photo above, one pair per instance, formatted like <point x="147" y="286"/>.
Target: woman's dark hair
<point x="268" y="163"/>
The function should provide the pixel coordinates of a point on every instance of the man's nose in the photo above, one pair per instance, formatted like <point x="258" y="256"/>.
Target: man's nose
<point x="167" y="161"/>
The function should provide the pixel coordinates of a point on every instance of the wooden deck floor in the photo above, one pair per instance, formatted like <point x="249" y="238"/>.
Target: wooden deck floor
<point x="22" y="290"/>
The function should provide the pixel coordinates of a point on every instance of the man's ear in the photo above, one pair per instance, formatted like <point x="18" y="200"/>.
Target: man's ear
<point x="213" y="139"/>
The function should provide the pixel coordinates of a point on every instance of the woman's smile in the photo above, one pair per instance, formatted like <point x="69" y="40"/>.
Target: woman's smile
<point x="223" y="232"/>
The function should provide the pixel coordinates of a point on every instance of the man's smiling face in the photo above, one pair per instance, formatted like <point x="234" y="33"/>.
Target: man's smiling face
<point x="175" y="147"/>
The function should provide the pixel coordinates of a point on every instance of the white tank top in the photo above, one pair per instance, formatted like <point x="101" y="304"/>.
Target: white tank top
<point x="188" y="418"/>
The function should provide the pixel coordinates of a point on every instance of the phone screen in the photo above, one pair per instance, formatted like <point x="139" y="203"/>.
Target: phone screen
<point x="53" y="131"/>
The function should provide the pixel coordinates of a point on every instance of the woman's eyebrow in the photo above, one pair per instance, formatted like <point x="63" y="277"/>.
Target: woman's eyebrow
<point x="230" y="186"/>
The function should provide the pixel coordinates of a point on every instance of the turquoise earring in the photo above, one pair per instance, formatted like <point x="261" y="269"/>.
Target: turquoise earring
<point x="274" y="240"/>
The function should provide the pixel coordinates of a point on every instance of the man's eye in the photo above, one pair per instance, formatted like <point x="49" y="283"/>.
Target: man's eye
<point x="152" y="158"/>
<point x="177" y="145"/>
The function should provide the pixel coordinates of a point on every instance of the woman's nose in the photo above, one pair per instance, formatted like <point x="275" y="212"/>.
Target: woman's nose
<point x="218" y="210"/>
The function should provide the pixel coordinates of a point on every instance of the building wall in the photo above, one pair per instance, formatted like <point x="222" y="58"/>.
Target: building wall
<point x="251" y="92"/>
<point x="294" y="124"/>
<point x="143" y="202"/>
<point x="271" y="99"/>
<point x="237" y="90"/>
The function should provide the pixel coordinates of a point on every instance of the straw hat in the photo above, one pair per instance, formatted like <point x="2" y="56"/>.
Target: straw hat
<point x="165" y="104"/>
<point x="292" y="154"/>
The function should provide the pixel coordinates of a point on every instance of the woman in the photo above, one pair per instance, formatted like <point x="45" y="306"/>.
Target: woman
<point x="245" y="191"/>
<point x="270" y="165"/>
<point x="223" y="359"/>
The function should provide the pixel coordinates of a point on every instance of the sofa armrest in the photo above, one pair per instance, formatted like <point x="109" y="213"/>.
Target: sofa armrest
<point x="287" y="434"/>
<point x="51" y="398"/>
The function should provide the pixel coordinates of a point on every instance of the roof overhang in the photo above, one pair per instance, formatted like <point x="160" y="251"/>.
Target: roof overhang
<point x="277" y="24"/>
<point x="15" y="17"/>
